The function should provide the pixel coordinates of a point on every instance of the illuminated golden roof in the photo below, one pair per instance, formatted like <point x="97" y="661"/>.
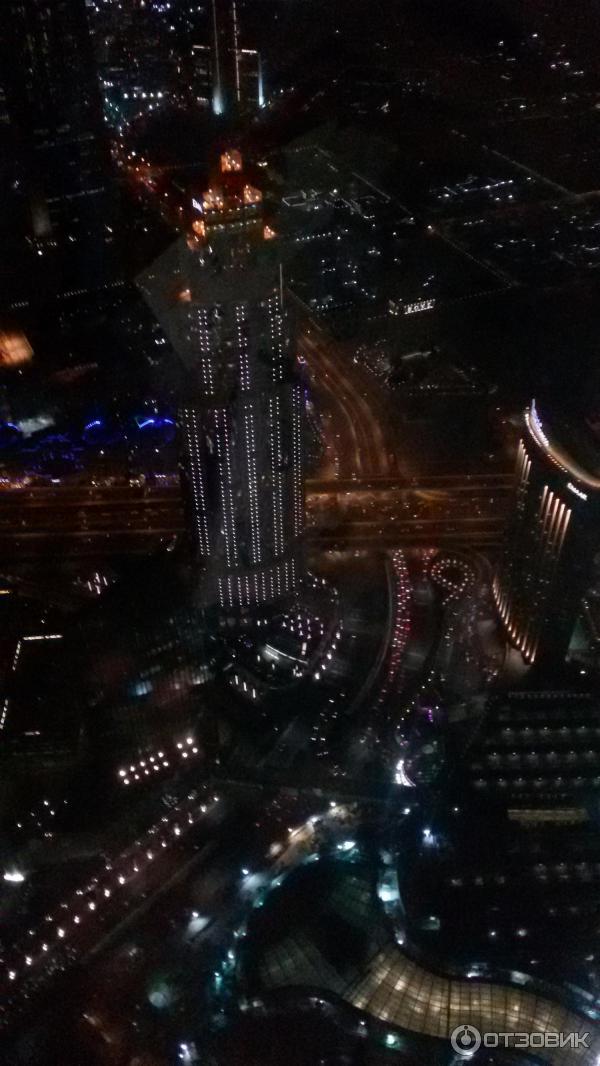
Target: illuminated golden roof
<point x="212" y="199"/>
<point x="252" y="195"/>
<point x="15" y="349"/>
<point x="231" y="160"/>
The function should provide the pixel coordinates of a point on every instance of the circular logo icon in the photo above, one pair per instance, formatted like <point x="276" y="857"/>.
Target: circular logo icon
<point x="465" y="1040"/>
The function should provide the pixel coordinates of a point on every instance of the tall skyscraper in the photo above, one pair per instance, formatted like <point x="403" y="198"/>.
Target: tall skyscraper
<point x="219" y="296"/>
<point x="249" y="93"/>
<point x="552" y="536"/>
<point x="235" y="72"/>
<point x="55" y="116"/>
<point x="225" y="47"/>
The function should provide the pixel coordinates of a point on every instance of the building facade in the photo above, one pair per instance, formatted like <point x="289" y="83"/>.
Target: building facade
<point x="220" y="298"/>
<point x="55" y="116"/>
<point x="551" y="539"/>
<point x="225" y="74"/>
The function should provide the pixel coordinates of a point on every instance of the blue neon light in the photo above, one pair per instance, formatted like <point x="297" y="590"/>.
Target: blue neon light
<point x="151" y="420"/>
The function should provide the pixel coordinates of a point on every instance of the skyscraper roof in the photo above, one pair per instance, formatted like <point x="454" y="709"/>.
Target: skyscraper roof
<point x="567" y="439"/>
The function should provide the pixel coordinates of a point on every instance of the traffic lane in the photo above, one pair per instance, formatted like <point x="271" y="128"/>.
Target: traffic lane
<point x="347" y="439"/>
<point x="364" y="418"/>
<point x="78" y="922"/>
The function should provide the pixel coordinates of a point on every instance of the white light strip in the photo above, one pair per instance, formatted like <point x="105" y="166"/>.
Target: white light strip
<point x="578" y="492"/>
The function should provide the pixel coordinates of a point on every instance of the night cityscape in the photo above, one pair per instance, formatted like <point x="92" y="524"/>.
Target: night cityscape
<point x="299" y="533"/>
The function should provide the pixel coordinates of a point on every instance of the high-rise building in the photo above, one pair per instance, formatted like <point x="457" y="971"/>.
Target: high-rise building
<point x="250" y="76"/>
<point x="552" y="536"/>
<point x="219" y="296"/>
<point x="224" y="46"/>
<point x="55" y="116"/>
<point x="230" y="75"/>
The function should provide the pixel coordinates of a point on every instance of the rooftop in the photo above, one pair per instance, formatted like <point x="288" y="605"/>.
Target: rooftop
<point x="568" y="442"/>
<point x="301" y="945"/>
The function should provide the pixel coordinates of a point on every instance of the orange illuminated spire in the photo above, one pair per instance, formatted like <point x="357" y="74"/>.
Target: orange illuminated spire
<point x="231" y="160"/>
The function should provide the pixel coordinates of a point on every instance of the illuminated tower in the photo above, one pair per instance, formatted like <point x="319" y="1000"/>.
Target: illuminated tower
<point x="551" y="539"/>
<point x="219" y="296"/>
<point x="232" y="74"/>
<point x="54" y="115"/>
<point x="225" y="56"/>
<point x="249" y="94"/>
